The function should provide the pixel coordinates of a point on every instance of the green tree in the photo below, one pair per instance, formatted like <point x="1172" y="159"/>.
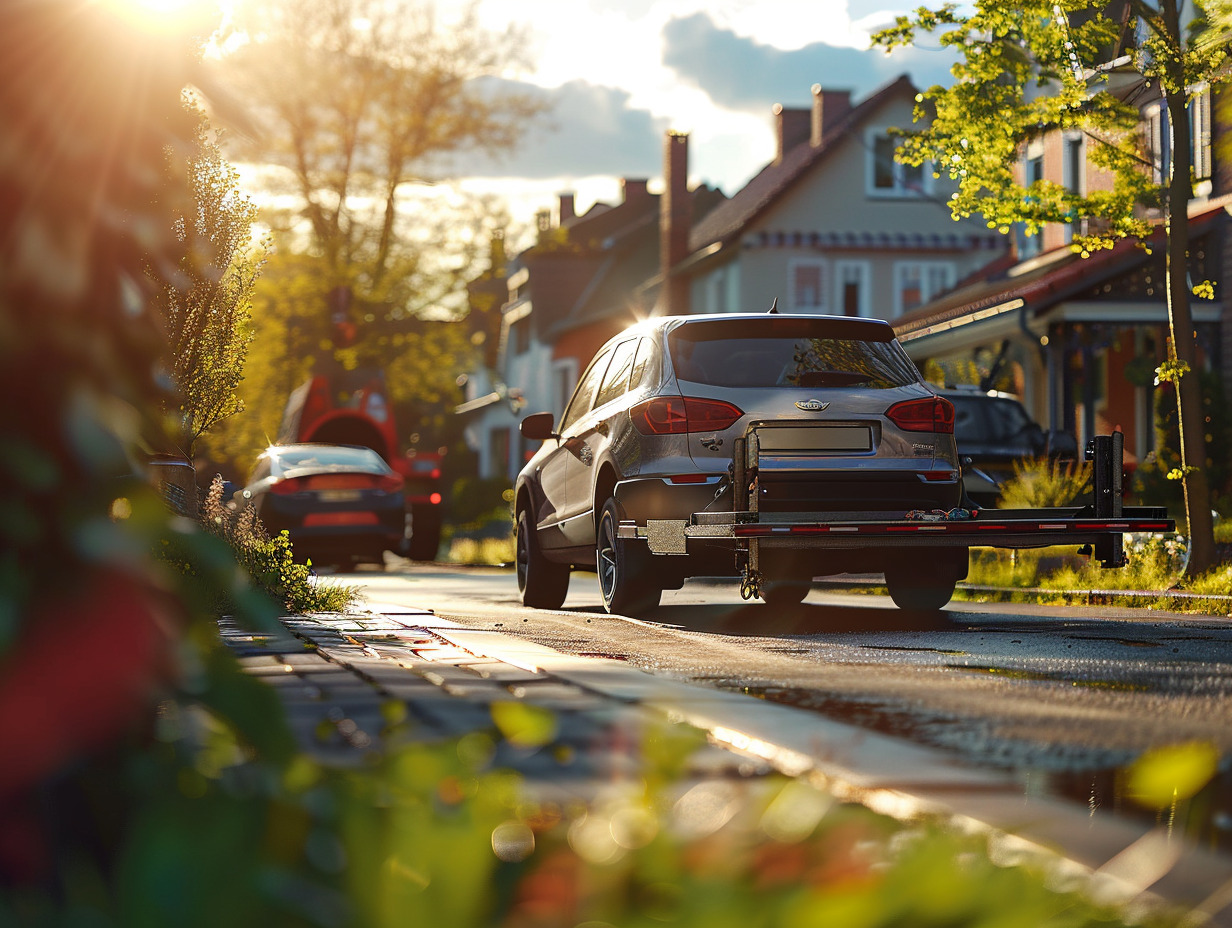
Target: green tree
<point x="1031" y="67"/>
<point x="206" y="304"/>
<point x="361" y="100"/>
<point x="361" y="105"/>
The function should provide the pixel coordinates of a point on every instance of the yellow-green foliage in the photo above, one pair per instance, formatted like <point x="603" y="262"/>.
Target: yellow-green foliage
<point x="1041" y="483"/>
<point x="481" y="551"/>
<point x="270" y="562"/>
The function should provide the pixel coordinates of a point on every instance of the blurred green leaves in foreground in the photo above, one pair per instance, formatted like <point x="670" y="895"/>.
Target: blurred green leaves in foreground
<point x="432" y="834"/>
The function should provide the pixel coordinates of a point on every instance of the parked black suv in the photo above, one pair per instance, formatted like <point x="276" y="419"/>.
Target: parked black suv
<point x="992" y="431"/>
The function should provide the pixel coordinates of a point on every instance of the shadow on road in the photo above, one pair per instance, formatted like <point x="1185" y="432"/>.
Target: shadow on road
<point x="760" y="619"/>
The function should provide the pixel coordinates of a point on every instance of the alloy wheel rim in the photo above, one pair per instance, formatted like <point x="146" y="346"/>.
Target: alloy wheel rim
<point x="607" y="563"/>
<point x="522" y="556"/>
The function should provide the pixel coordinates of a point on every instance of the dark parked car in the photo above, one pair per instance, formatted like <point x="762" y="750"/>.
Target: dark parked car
<point x="340" y="503"/>
<point x="842" y="424"/>
<point x="993" y="431"/>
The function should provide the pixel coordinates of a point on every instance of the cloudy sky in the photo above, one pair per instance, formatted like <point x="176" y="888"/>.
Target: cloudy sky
<point x="619" y="73"/>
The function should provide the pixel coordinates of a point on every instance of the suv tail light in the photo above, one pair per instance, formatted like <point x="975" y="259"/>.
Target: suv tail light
<point x="932" y="414"/>
<point x="674" y="415"/>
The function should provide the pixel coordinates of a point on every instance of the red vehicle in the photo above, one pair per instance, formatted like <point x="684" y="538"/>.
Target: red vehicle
<point x="352" y="408"/>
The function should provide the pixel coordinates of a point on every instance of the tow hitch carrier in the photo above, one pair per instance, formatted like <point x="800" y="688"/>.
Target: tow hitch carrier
<point x="1100" y="525"/>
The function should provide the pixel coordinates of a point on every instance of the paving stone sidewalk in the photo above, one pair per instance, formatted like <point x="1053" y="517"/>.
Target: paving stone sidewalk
<point x="355" y="685"/>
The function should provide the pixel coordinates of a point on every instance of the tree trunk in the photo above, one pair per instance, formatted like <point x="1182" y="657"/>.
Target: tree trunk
<point x="1190" y="418"/>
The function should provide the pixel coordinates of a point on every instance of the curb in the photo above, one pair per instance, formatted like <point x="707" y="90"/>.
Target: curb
<point x="1121" y="861"/>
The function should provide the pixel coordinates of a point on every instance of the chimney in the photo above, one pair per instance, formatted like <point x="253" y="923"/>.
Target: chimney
<point x="792" y="126"/>
<point x="829" y="107"/>
<point x="675" y="220"/>
<point x="634" y="189"/>
<point x="566" y="208"/>
<point x="543" y="225"/>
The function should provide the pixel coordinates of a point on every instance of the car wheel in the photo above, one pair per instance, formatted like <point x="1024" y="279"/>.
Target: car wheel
<point x="785" y="592"/>
<point x="914" y="588"/>
<point x="423" y="548"/>
<point x="627" y="577"/>
<point x="425" y="538"/>
<point x="541" y="583"/>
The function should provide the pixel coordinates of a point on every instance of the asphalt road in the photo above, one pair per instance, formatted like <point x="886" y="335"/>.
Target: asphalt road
<point x="1065" y="698"/>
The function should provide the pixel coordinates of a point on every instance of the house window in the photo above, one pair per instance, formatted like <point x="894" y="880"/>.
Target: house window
<point x="1073" y="171"/>
<point x="1158" y="142"/>
<point x="887" y="177"/>
<point x="519" y="335"/>
<point x="499" y="448"/>
<point x="808" y="286"/>
<point x="851" y="298"/>
<point x="1032" y="171"/>
<point x="1200" y="133"/>
<point x="917" y="282"/>
<point x="714" y="291"/>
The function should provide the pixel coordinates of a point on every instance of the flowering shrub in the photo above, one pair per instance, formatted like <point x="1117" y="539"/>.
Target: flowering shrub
<point x="269" y="561"/>
<point x="1165" y="554"/>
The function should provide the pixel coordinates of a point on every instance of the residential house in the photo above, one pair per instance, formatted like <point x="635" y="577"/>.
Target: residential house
<point x="832" y="225"/>
<point x="562" y="298"/>
<point x="1079" y="338"/>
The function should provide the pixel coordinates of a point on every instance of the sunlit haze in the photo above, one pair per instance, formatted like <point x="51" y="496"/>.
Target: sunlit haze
<point x="616" y="75"/>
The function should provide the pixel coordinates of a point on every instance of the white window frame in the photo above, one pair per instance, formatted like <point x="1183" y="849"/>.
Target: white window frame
<point x="716" y="291"/>
<point x="823" y="269"/>
<point x="1157" y="140"/>
<point x="900" y="190"/>
<point x="927" y="290"/>
<point x="1201" y="130"/>
<point x="863" y="272"/>
<point x="1073" y="170"/>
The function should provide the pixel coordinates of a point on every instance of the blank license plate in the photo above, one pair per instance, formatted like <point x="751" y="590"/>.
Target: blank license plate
<point x="826" y="438"/>
<point x="338" y="496"/>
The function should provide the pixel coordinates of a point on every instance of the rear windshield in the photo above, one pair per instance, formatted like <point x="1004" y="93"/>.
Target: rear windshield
<point x="790" y="353"/>
<point x="326" y="458"/>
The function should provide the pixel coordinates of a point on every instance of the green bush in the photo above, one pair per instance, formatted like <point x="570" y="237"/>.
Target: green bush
<point x="479" y="499"/>
<point x="1042" y="483"/>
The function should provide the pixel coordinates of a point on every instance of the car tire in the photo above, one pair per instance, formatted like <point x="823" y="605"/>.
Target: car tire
<point x="785" y="592"/>
<point x="541" y="583"/>
<point x="425" y="540"/>
<point x="423" y="548"/>
<point x="917" y="588"/>
<point x="627" y="580"/>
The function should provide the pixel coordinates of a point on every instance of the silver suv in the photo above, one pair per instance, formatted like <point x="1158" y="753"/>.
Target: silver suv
<point x="844" y="424"/>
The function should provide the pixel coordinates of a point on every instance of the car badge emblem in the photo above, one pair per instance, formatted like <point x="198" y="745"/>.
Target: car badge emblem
<point x="811" y="405"/>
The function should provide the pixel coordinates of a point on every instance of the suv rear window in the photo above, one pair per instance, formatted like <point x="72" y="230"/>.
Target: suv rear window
<point x="790" y="353"/>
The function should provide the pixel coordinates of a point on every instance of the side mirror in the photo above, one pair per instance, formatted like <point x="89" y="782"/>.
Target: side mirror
<point x="538" y="427"/>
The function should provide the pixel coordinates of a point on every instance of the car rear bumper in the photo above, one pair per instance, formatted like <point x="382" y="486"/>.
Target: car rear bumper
<point x="338" y="529"/>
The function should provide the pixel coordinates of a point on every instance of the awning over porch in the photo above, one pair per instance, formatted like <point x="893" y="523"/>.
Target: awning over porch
<point x="1058" y="286"/>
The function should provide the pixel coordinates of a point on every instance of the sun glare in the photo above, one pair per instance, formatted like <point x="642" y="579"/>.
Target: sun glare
<point x="161" y="15"/>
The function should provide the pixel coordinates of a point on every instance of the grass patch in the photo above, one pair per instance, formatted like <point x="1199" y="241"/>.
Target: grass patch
<point x="491" y="551"/>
